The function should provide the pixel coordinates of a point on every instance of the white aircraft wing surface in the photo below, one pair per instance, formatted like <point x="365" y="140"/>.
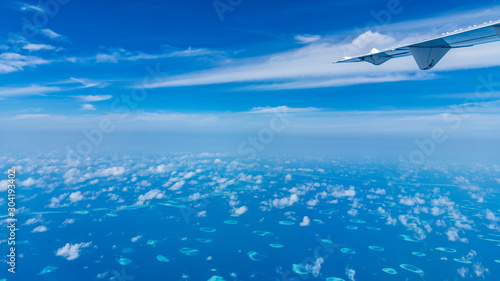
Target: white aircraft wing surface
<point x="428" y="52"/>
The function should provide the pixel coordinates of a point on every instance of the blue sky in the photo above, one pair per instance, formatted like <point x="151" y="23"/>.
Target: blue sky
<point x="222" y="75"/>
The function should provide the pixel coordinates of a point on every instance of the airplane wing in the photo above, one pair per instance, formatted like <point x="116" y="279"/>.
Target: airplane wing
<point x="428" y="52"/>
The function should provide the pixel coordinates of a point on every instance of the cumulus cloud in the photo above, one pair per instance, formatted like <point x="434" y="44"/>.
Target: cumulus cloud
<point x="286" y="201"/>
<point x="71" y="251"/>
<point x="410" y="201"/>
<point x="452" y="234"/>
<point x="28" y="182"/>
<point x="350" y="273"/>
<point x="305" y="221"/>
<point x="435" y="211"/>
<point x="480" y="270"/>
<point x="339" y="191"/>
<point x="178" y="185"/>
<point x="55" y="202"/>
<point x="76" y="196"/>
<point x="239" y="211"/>
<point x="152" y="194"/>
<point x="391" y="221"/>
<point x="135" y="238"/>
<point x="113" y="171"/>
<point x="317" y="267"/>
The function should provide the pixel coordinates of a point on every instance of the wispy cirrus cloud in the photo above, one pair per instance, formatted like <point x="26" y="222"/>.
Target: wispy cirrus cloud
<point x="38" y="47"/>
<point x="281" y="109"/>
<point x="86" y="83"/>
<point x="49" y="33"/>
<point x="94" y="98"/>
<point x="25" y="7"/>
<point x="88" y="106"/>
<point x="30" y="116"/>
<point x="115" y="55"/>
<point x="309" y="66"/>
<point x="11" y="62"/>
<point x="306" y="38"/>
<point x="60" y="86"/>
<point x="26" y="91"/>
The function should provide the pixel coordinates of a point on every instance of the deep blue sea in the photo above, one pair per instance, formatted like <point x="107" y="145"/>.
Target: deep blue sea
<point x="217" y="217"/>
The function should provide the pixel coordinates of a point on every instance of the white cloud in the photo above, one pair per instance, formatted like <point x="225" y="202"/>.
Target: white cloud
<point x="411" y="201"/>
<point x="50" y="33"/>
<point x="452" y="234"/>
<point x="305" y="221"/>
<point x="152" y="194"/>
<point x="30" y="116"/>
<point x="288" y="177"/>
<point x="32" y="221"/>
<point x="391" y="221"/>
<point x="306" y="39"/>
<point x="281" y="109"/>
<point x="10" y="62"/>
<point x="339" y="191"/>
<point x="40" y="228"/>
<point x="136" y="238"/>
<point x="76" y="196"/>
<point x="286" y="201"/>
<point x="26" y="91"/>
<point x="94" y="98"/>
<point x="106" y="58"/>
<point x="68" y="221"/>
<point x="239" y="211"/>
<point x="71" y="252"/>
<point x="55" y="202"/>
<point x="28" y="7"/>
<point x="4" y="185"/>
<point x="115" y="55"/>
<point x="28" y="182"/>
<point x="462" y="271"/>
<point x="87" y="83"/>
<point x="317" y="267"/>
<point x="327" y="122"/>
<point x="113" y="171"/>
<point x="491" y="216"/>
<point x="352" y="212"/>
<point x="305" y="67"/>
<point x="435" y="211"/>
<point x="350" y="273"/>
<point x="480" y="270"/>
<point x="176" y="186"/>
<point x="190" y="52"/>
<point x="88" y="106"/>
<point x="309" y="66"/>
<point x="38" y="47"/>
